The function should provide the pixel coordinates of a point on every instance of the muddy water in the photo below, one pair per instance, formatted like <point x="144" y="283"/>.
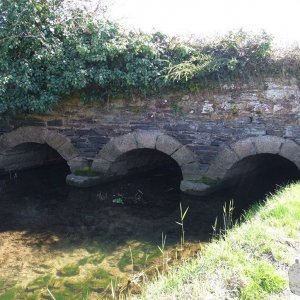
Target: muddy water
<point x="80" y="242"/>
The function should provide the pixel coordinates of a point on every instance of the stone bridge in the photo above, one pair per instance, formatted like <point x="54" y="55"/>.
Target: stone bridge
<point x="210" y="135"/>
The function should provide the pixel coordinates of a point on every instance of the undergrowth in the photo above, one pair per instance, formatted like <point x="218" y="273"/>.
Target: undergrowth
<point x="249" y="261"/>
<point x="49" y="50"/>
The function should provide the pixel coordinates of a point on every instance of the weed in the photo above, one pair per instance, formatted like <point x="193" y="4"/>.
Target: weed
<point x="118" y="200"/>
<point x="141" y="255"/>
<point x="247" y="262"/>
<point x="87" y="171"/>
<point x="182" y="217"/>
<point x="69" y="270"/>
<point x="162" y="250"/>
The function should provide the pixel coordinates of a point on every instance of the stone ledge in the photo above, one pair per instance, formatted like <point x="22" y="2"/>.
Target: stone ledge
<point x="194" y="188"/>
<point x="85" y="181"/>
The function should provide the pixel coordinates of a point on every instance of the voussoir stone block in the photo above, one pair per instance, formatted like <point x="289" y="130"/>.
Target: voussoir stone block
<point x="4" y="144"/>
<point x="184" y="156"/>
<point x="226" y="159"/>
<point x="291" y="150"/>
<point x="109" y="152"/>
<point x="78" y="163"/>
<point x="20" y="136"/>
<point x="268" y="144"/>
<point x="146" y="139"/>
<point x="55" y="139"/>
<point x="167" y="144"/>
<point x="32" y="134"/>
<point x="68" y="151"/>
<point x="125" y="143"/>
<point x="244" y="148"/>
<point x="101" y="165"/>
<point x="10" y="140"/>
<point x="191" y="170"/>
<point x="118" y="146"/>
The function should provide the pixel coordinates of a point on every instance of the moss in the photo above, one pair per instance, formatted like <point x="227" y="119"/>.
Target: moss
<point x="94" y="259"/>
<point x="206" y="180"/>
<point x="87" y="171"/>
<point x="69" y="270"/>
<point x="142" y="255"/>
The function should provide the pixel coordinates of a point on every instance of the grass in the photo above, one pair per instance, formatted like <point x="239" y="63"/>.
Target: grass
<point x="250" y="261"/>
<point x="139" y="256"/>
<point x="94" y="259"/>
<point x="69" y="270"/>
<point x="87" y="171"/>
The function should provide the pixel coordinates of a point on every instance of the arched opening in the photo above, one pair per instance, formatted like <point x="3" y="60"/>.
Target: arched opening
<point x="144" y="160"/>
<point x="33" y="166"/>
<point x="150" y="172"/>
<point x="255" y="176"/>
<point x="30" y="155"/>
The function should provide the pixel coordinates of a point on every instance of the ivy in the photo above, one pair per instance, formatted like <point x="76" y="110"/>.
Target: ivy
<point x="48" y="51"/>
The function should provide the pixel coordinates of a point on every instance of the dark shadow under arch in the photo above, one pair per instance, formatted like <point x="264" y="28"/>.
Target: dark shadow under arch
<point x="28" y="156"/>
<point x="145" y="160"/>
<point x="253" y="177"/>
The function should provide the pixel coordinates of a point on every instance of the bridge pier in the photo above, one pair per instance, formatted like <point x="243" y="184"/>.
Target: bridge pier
<point x="141" y="151"/>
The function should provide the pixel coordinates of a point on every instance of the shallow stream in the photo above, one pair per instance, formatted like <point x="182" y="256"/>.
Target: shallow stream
<point x="87" y="243"/>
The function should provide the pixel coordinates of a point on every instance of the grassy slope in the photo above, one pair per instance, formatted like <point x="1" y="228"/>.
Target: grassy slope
<point x="251" y="262"/>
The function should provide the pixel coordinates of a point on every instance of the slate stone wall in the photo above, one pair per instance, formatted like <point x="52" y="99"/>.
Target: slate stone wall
<point x="205" y="122"/>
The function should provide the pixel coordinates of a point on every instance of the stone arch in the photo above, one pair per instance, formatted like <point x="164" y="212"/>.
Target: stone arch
<point x="267" y="144"/>
<point x="155" y="140"/>
<point x="32" y="134"/>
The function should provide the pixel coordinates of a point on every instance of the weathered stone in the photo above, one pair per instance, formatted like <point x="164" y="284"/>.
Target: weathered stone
<point x="101" y="165"/>
<point x="256" y="129"/>
<point x="78" y="163"/>
<point x="68" y="151"/>
<point x="20" y="136"/>
<point x="118" y="146"/>
<point x="184" y="156"/>
<point x="291" y="151"/>
<point x="228" y="118"/>
<point x="4" y="146"/>
<point x="56" y="123"/>
<point x="244" y="148"/>
<point x="84" y="181"/>
<point x="194" y="188"/>
<point x="207" y="107"/>
<point x="268" y="144"/>
<point x="191" y="170"/>
<point x="216" y="171"/>
<point x="32" y="134"/>
<point x="277" y="92"/>
<point x="167" y="144"/>
<point x="109" y="152"/>
<point x="146" y="139"/>
<point x="55" y="139"/>
<point x="126" y="142"/>
<point x="226" y="159"/>
<point x="292" y="131"/>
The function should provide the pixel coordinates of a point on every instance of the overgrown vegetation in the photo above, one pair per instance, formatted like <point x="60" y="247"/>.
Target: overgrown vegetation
<point x="249" y="261"/>
<point x="49" y="50"/>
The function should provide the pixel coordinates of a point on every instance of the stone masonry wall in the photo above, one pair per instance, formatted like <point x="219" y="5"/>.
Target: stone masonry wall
<point x="205" y="122"/>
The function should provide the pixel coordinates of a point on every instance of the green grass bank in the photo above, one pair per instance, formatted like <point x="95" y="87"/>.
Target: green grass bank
<point x="251" y="261"/>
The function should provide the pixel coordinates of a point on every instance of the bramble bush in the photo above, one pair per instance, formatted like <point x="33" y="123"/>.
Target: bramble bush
<point x="48" y="51"/>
